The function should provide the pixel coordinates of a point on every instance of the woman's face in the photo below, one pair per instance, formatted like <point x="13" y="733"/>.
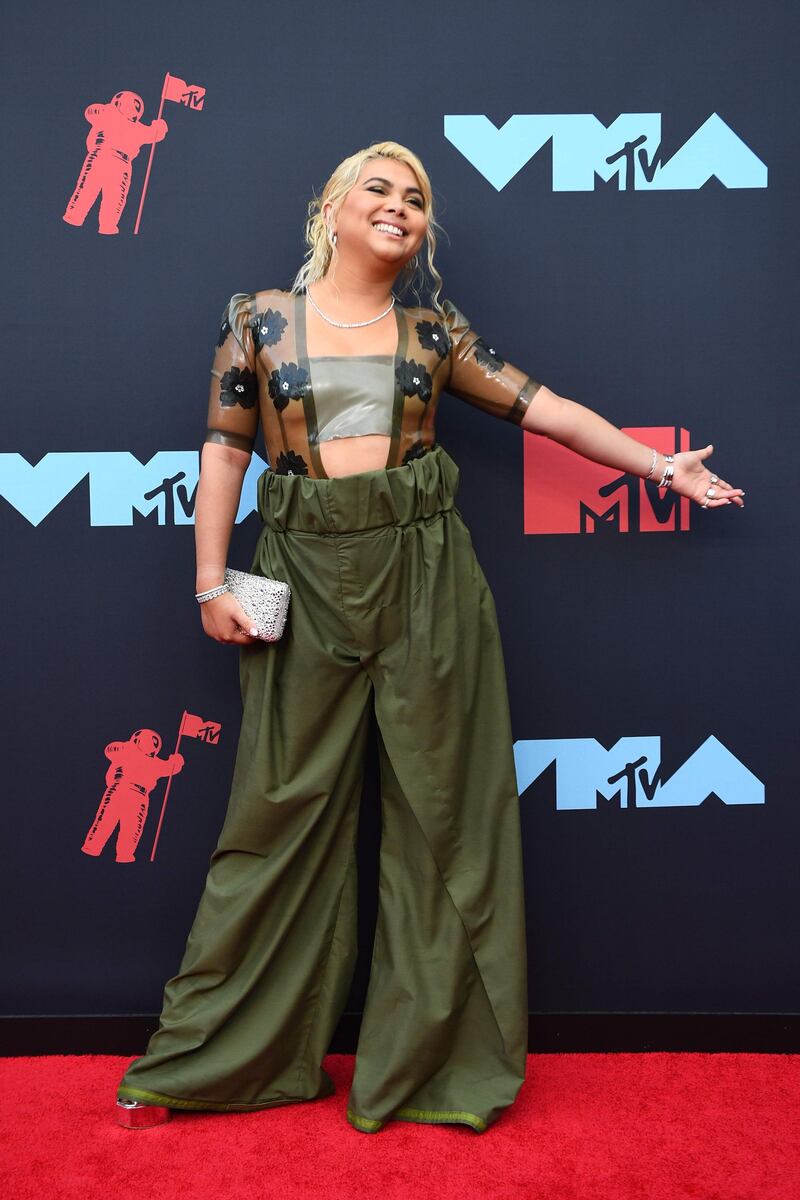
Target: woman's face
<point x="386" y="192"/>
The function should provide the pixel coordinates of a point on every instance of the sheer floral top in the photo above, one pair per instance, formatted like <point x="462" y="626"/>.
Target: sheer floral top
<point x="261" y="369"/>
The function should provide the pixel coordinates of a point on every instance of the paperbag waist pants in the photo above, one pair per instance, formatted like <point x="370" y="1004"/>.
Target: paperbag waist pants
<point x="390" y="607"/>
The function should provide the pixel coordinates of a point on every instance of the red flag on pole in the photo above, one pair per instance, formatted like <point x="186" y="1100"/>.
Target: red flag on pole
<point x="191" y="726"/>
<point x="184" y="93"/>
<point x="191" y="96"/>
<point x="196" y="727"/>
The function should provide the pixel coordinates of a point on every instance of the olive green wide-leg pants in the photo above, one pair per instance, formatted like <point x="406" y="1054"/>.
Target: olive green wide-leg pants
<point x="389" y="606"/>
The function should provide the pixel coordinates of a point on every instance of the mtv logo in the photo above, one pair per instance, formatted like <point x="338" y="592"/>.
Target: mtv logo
<point x="628" y="774"/>
<point x="584" y="150"/>
<point x="566" y="493"/>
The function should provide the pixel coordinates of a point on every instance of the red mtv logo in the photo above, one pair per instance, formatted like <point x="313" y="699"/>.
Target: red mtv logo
<point x="566" y="493"/>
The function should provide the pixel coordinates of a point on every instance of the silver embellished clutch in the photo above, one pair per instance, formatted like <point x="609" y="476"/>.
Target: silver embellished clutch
<point x="265" y="600"/>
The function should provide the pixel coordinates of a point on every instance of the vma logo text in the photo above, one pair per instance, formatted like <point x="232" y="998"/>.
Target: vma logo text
<point x="163" y="489"/>
<point x="628" y="151"/>
<point x="566" y="493"/>
<point x="629" y="774"/>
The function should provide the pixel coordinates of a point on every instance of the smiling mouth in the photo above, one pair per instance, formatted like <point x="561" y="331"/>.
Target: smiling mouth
<point x="389" y="233"/>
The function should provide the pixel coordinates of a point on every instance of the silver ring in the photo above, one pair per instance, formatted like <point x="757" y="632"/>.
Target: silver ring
<point x="704" y="504"/>
<point x="715" y="478"/>
<point x="711" y="492"/>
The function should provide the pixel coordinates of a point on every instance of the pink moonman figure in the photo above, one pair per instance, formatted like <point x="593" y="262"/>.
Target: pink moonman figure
<point x="132" y="775"/>
<point x="115" y="138"/>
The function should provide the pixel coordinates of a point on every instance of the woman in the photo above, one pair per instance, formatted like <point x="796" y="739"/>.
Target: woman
<point x="389" y="607"/>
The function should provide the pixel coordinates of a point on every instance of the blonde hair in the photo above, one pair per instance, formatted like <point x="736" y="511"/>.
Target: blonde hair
<point x="341" y="181"/>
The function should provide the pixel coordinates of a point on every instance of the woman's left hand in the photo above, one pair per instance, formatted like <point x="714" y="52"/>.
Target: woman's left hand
<point x="690" y="478"/>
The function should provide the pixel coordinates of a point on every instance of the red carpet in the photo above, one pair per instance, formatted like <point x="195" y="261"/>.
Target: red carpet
<point x="585" y="1127"/>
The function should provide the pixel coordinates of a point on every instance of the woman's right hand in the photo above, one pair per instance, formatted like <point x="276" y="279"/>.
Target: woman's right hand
<point x="225" y="620"/>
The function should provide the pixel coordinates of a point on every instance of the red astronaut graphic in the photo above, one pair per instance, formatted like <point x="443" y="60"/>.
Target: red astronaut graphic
<point x="115" y="138"/>
<point x="134" y="771"/>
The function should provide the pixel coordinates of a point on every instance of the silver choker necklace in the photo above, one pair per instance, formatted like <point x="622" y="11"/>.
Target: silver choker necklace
<point x="350" y="324"/>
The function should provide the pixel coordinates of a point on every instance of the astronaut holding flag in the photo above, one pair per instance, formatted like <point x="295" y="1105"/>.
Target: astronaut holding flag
<point x="115" y="138"/>
<point x="135" y="768"/>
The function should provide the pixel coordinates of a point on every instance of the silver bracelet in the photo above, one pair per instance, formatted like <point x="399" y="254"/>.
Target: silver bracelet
<point x="652" y="465"/>
<point x="211" y="594"/>
<point x="666" y="479"/>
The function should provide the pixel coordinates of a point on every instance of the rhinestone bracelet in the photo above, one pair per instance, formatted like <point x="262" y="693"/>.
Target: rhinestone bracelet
<point x="211" y="594"/>
<point x="652" y="466"/>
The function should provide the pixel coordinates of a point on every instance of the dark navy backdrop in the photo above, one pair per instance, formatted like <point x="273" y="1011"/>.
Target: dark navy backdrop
<point x="661" y="308"/>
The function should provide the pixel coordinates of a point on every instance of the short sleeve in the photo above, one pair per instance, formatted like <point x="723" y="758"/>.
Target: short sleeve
<point x="480" y="375"/>
<point x="233" y="397"/>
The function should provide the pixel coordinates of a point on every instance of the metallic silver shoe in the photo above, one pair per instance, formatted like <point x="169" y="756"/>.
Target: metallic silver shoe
<point x="132" y="1114"/>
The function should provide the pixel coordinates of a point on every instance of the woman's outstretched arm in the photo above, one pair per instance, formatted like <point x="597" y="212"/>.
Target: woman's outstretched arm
<point x="481" y="375"/>
<point x="587" y="433"/>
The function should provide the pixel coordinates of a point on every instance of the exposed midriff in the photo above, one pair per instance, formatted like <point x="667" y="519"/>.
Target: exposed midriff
<point x="349" y="455"/>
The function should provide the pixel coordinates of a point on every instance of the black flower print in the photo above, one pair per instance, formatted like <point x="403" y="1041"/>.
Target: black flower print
<point x="267" y="328"/>
<point x="414" y="379"/>
<point x="433" y="336"/>
<point x="224" y="330"/>
<point x="416" y="450"/>
<point x="238" y="386"/>
<point x="289" y="463"/>
<point x="289" y="383"/>
<point x="487" y="356"/>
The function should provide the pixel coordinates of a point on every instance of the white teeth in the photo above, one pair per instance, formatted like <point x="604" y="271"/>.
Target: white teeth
<point x="390" y="229"/>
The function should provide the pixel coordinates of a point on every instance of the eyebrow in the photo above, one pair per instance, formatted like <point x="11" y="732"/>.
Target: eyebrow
<point x="388" y="183"/>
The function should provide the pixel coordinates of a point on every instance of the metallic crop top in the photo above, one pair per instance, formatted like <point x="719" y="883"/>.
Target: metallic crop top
<point x="261" y="370"/>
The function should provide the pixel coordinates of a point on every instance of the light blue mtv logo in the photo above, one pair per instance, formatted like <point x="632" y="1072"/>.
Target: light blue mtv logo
<point x="119" y="485"/>
<point x="630" y="773"/>
<point x="583" y="148"/>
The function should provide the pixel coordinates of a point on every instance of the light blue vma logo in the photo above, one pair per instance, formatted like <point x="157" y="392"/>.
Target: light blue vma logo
<point x="629" y="149"/>
<point x="629" y="774"/>
<point x="163" y="489"/>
